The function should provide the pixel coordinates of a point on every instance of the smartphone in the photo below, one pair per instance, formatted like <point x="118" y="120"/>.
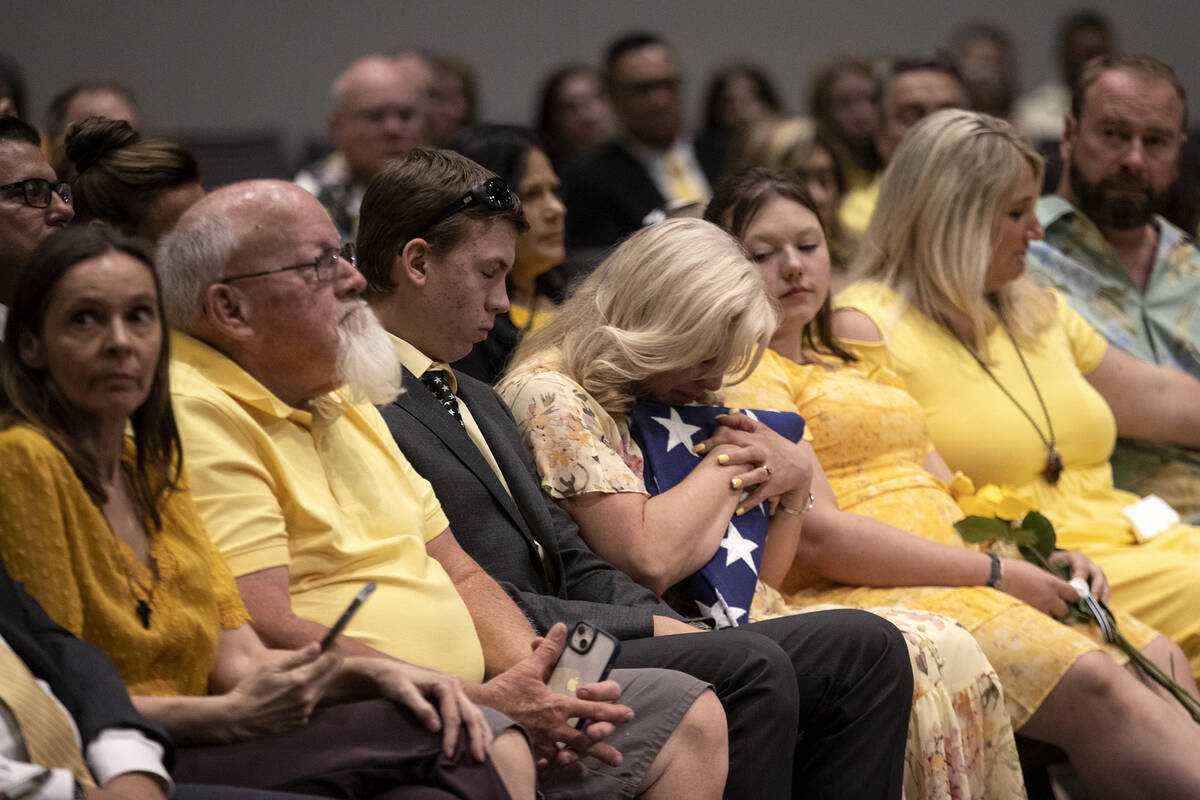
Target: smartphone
<point x="347" y="615"/>
<point x="587" y="658"/>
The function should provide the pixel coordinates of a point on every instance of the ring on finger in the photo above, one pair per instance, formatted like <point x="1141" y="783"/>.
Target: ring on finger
<point x="768" y="469"/>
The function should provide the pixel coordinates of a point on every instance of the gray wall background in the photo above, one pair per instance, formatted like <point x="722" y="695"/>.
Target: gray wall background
<point x="229" y="66"/>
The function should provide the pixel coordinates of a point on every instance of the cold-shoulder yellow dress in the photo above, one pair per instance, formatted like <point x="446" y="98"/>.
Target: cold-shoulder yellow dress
<point x="960" y="740"/>
<point x="980" y="431"/>
<point x="870" y="437"/>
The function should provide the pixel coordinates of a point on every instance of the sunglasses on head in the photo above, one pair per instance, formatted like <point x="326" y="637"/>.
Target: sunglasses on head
<point x="493" y="193"/>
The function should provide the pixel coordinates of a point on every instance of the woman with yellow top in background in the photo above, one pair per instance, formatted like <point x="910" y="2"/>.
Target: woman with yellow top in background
<point x="885" y="483"/>
<point x="101" y="528"/>
<point x="516" y="156"/>
<point x="1015" y="386"/>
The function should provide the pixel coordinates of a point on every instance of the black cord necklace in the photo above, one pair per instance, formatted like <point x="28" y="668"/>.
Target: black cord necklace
<point x="142" y="605"/>
<point x="1054" y="462"/>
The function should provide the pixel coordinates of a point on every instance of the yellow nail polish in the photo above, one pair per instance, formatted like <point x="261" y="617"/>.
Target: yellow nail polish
<point x="740" y="511"/>
<point x="736" y="483"/>
<point x="700" y="448"/>
<point x="723" y="458"/>
<point x="718" y="416"/>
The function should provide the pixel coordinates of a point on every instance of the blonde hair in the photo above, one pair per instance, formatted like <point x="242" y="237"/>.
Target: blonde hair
<point x="670" y="297"/>
<point x="776" y="143"/>
<point x="930" y="238"/>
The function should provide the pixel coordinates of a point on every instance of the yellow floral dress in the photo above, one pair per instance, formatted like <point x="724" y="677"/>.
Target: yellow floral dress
<point x="980" y="431"/>
<point x="960" y="739"/>
<point x="870" y="437"/>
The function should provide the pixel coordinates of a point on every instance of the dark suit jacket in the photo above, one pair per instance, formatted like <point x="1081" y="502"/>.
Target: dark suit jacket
<point x="499" y="531"/>
<point x="608" y="195"/>
<point x="79" y="674"/>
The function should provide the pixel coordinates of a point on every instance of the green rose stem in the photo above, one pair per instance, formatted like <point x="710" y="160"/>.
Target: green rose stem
<point x="1034" y="536"/>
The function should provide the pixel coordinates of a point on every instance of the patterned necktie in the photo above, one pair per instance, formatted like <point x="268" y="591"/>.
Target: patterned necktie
<point x="44" y="724"/>
<point x="682" y="186"/>
<point x="440" y="388"/>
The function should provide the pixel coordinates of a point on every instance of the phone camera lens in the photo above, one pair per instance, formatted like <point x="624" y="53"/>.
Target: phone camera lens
<point x="583" y="643"/>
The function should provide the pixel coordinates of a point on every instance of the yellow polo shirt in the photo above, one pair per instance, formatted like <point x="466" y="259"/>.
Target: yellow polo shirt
<point x="327" y="494"/>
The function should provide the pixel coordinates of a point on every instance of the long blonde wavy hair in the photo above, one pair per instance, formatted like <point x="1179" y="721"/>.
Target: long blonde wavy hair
<point x="930" y="238"/>
<point x="671" y="296"/>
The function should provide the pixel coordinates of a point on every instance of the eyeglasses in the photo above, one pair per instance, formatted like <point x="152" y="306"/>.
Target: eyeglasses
<point x="324" y="268"/>
<point x="645" y="88"/>
<point x="37" y="191"/>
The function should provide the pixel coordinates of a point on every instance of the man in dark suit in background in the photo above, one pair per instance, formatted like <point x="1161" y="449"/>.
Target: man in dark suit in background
<point x="807" y="680"/>
<point x="122" y="751"/>
<point x="653" y="167"/>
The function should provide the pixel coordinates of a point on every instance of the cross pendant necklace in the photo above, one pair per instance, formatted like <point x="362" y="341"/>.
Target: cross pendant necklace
<point x="143" y="612"/>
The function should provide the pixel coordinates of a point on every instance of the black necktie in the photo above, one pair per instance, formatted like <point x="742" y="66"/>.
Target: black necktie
<point x="440" y="388"/>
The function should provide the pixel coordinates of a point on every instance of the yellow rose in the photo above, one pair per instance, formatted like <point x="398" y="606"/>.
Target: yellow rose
<point x="960" y="486"/>
<point x="1001" y="502"/>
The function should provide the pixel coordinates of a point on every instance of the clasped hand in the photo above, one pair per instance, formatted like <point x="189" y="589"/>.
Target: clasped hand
<point x="521" y="693"/>
<point x="780" y="469"/>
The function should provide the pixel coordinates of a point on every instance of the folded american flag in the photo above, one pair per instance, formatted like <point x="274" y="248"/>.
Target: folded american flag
<point x="724" y="587"/>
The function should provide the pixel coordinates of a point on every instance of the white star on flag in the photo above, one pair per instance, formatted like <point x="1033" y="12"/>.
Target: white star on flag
<point x="738" y="548"/>
<point x="678" y="431"/>
<point x="723" y="614"/>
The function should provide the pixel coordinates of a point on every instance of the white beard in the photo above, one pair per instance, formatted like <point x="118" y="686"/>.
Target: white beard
<point x="367" y="362"/>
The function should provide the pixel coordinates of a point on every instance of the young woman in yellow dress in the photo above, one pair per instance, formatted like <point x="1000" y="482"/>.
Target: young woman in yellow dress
<point x="673" y="310"/>
<point x="1016" y="388"/>
<point x="884" y="518"/>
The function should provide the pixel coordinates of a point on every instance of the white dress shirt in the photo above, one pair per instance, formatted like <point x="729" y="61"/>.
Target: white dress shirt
<point x="654" y="161"/>
<point x="114" y="752"/>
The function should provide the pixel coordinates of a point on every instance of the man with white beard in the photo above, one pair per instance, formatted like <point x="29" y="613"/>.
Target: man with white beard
<point x="275" y="361"/>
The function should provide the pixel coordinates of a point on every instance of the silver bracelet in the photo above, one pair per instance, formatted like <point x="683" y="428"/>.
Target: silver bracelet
<point x="996" y="575"/>
<point x="799" y="512"/>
